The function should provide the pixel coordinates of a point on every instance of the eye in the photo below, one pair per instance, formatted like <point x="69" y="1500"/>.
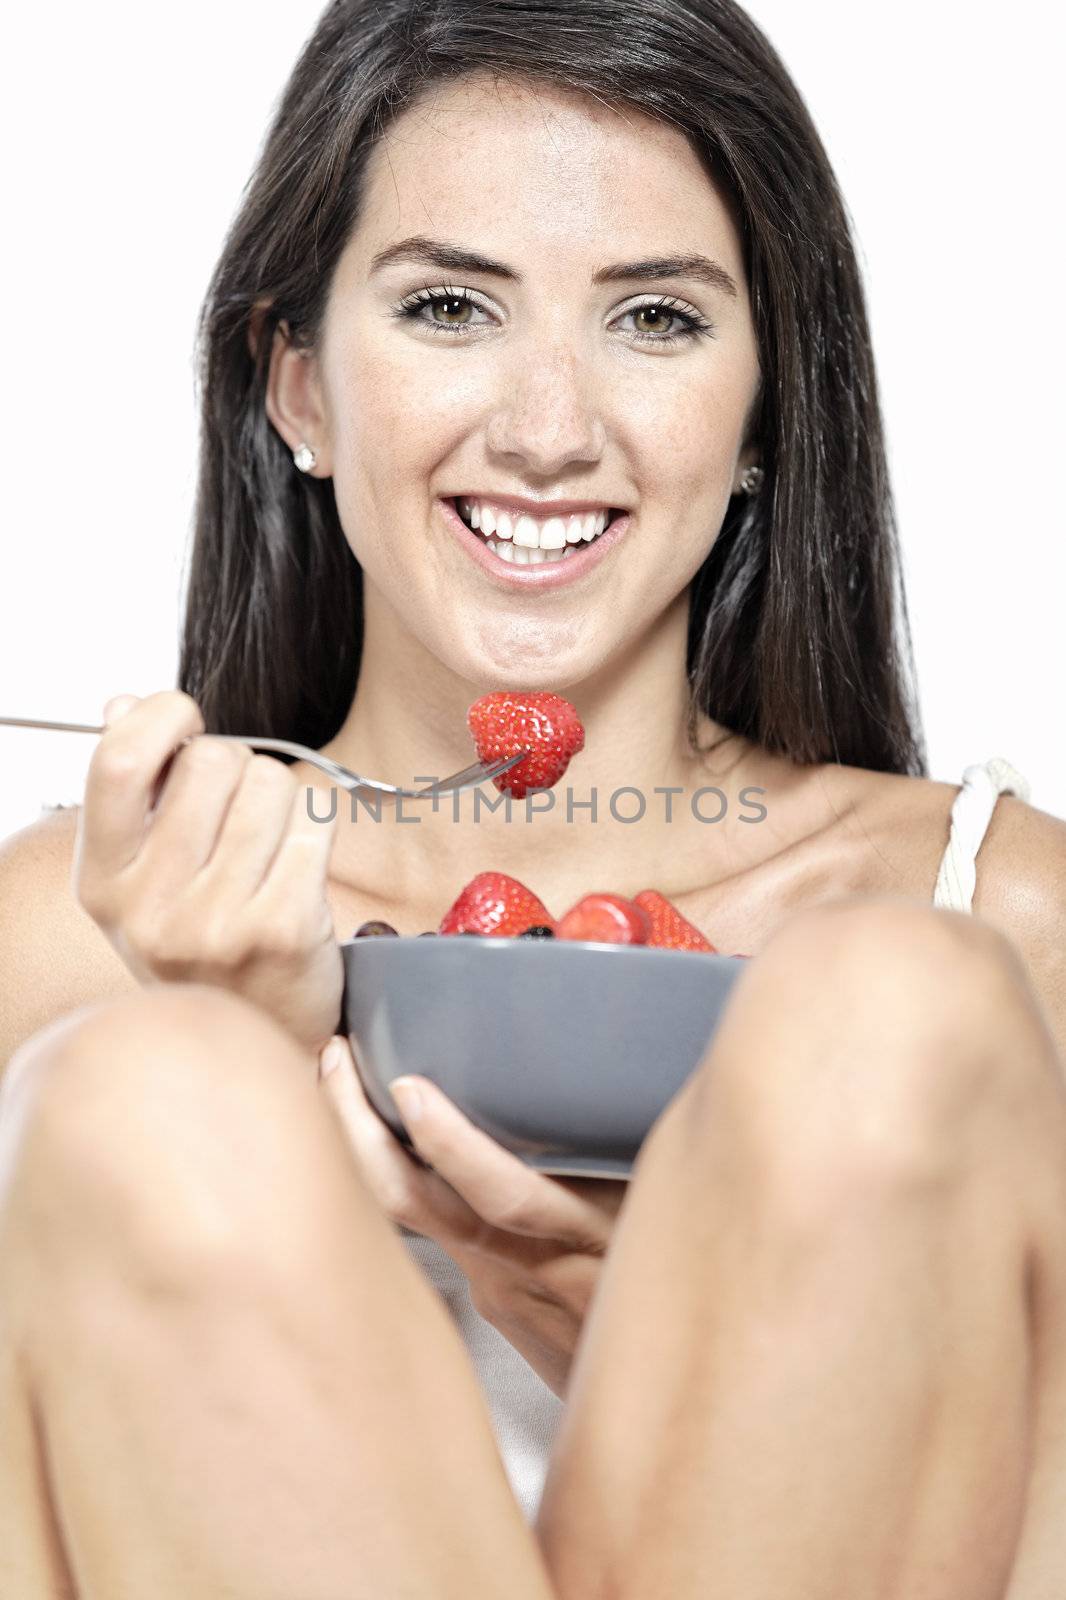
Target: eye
<point x="458" y="305"/>
<point x="454" y="303"/>
<point x="692" y="324"/>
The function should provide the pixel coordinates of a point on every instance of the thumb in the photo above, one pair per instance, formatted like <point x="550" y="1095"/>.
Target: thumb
<point x="335" y="1054"/>
<point x="117" y="707"/>
<point x="339" y="1081"/>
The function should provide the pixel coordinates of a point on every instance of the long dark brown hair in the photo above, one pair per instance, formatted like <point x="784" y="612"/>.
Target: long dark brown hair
<point x="799" y="637"/>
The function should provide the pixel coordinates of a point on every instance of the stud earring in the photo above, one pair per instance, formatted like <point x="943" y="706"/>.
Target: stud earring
<point x="305" y="458"/>
<point x="751" y="480"/>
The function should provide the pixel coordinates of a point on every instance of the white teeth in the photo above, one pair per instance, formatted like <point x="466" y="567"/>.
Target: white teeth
<point x="527" y="533"/>
<point x="508" y="551"/>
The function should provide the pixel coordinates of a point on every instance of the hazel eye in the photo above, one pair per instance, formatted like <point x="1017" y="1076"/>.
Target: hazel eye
<point x="692" y="325"/>
<point x="452" y="302"/>
<point x="451" y="306"/>
<point x="654" y="311"/>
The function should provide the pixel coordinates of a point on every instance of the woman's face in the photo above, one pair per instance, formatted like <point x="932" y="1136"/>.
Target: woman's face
<point x="544" y="380"/>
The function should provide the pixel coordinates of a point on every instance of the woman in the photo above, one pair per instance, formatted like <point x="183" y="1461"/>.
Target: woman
<point x="816" y="1345"/>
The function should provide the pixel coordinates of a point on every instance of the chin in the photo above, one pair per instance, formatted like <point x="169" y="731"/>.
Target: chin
<point x="540" y="664"/>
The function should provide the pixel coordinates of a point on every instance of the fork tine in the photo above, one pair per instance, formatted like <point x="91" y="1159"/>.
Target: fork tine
<point x="477" y="773"/>
<point x="498" y="768"/>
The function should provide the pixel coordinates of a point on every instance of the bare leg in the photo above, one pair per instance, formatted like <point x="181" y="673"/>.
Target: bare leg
<point x="835" y="1303"/>
<point x="221" y="1374"/>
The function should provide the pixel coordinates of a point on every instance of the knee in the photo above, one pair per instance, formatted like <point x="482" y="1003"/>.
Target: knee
<point x="159" y="1124"/>
<point x="893" y="975"/>
<point x="894" y="954"/>
<point x="872" y="1044"/>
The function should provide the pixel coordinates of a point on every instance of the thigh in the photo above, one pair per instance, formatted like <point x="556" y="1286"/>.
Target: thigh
<point x="870" y="1054"/>
<point x="228" y="1375"/>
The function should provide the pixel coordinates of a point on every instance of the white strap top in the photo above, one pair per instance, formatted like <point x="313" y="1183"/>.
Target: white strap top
<point x="525" y="1412"/>
<point x="982" y="785"/>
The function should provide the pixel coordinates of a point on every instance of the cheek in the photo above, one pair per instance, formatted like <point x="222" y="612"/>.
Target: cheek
<point x="688" y="435"/>
<point x="393" y="415"/>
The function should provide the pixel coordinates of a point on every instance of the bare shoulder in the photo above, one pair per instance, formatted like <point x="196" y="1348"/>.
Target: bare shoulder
<point x="1021" y="862"/>
<point x="53" y="957"/>
<point x="1020" y="883"/>
<point x="878" y="832"/>
<point x="1021" y="888"/>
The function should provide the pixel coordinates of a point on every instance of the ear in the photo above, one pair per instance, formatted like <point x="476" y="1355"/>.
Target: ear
<point x="748" y="457"/>
<point x="294" y="400"/>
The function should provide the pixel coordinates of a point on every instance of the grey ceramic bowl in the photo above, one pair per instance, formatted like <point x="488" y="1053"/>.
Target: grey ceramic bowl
<point x="564" y="1051"/>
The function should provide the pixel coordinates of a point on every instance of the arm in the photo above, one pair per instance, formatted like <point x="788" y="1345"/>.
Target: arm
<point x="53" y="957"/>
<point x="1021" y="889"/>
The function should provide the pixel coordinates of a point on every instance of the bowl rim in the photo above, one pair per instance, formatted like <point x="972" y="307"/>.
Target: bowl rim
<point x="499" y="941"/>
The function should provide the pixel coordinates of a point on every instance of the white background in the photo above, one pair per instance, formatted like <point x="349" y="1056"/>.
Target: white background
<point x="128" y="133"/>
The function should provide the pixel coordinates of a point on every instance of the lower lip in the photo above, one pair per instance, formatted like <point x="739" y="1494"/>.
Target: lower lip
<point x="546" y="574"/>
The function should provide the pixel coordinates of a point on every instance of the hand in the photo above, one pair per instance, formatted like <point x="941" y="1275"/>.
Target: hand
<point x="224" y="881"/>
<point x="532" y="1246"/>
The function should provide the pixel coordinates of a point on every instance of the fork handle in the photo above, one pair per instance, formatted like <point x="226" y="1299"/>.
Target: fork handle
<point x="253" y="740"/>
<point x="78" y="727"/>
<point x="63" y="727"/>
<point x="88" y="727"/>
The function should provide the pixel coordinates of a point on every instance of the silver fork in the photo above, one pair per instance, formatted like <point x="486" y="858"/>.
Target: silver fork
<point x="469" y="777"/>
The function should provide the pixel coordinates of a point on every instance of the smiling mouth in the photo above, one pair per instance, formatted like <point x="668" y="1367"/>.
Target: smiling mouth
<point x="516" y="546"/>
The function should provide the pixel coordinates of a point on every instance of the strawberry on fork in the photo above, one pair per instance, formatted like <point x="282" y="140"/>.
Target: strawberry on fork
<point x="543" y="724"/>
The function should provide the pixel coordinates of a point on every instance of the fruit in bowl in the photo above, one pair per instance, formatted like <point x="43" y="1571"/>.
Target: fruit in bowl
<point x="562" y="1039"/>
<point x="496" y="905"/>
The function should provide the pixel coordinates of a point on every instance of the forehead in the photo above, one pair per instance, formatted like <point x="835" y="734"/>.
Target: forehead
<point x="521" y="169"/>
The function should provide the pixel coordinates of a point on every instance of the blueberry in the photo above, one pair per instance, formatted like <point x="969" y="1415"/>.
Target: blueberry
<point x="430" y="933"/>
<point x="537" y="931"/>
<point x="375" y="930"/>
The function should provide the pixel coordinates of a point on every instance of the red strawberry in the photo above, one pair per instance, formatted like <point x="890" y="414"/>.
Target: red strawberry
<point x="668" y="927"/>
<point x="545" y="724"/>
<point x="493" y="903"/>
<point x="607" y="917"/>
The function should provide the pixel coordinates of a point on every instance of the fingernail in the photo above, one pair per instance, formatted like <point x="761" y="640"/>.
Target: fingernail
<point x="117" y="707"/>
<point x="331" y="1058"/>
<point x="407" y="1097"/>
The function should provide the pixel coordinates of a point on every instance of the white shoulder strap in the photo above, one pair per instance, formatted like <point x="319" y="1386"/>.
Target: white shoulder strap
<point x="982" y="784"/>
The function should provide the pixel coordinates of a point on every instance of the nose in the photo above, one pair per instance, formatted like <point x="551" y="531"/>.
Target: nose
<point x="547" y="417"/>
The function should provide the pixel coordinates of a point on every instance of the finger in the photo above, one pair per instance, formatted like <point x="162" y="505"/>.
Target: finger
<point x="195" y="798"/>
<point x="415" y="1197"/>
<point x="300" y="865"/>
<point x="252" y="829"/>
<point x="608" y="1195"/>
<point x="121" y="773"/>
<point x="117" y="707"/>
<point x="496" y="1184"/>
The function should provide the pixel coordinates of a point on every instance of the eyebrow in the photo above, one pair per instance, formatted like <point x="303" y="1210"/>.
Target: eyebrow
<point x="457" y="259"/>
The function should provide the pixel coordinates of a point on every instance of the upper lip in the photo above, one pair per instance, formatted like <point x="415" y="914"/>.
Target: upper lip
<point x="537" y="508"/>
